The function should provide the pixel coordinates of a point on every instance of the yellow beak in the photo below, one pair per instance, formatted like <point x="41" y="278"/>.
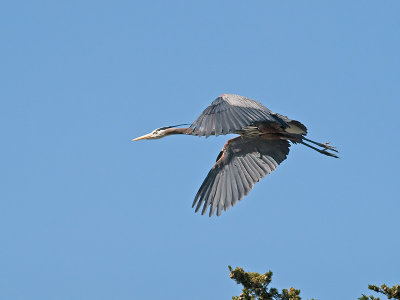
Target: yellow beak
<point x="143" y="137"/>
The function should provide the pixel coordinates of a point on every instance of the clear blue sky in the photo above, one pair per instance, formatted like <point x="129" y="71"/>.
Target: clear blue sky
<point x="87" y="214"/>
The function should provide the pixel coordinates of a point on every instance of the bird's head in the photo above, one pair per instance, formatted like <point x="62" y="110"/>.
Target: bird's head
<point x="157" y="133"/>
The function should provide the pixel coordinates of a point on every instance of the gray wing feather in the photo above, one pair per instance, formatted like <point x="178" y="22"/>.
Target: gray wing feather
<point x="230" y="113"/>
<point x="247" y="181"/>
<point x="214" y="202"/>
<point x="251" y="170"/>
<point x="229" y="196"/>
<point x="210" y="123"/>
<point x="204" y="191"/>
<point x="239" y="183"/>
<point x="217" y="126"/>
<point x="244" y="162"/>
<point x="270" y="161"/>
<point x="253" y="161"/>
<point x="223" y="185"/>
<point x="238" y="118"/>
<point x="234" y="188"/>
<point x="208" y="197"/>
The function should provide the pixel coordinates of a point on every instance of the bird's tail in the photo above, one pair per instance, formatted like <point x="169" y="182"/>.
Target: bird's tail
<point x="325" y="147"/>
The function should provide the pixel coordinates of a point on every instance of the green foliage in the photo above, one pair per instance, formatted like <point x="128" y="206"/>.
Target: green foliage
<point x="390" y="293"/>
<point x="255" y="286"/>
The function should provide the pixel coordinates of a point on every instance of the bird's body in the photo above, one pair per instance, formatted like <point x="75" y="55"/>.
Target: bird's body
<point x="262" y="144"/>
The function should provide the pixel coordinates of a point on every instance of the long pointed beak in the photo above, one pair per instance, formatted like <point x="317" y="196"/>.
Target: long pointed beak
<point x="143" y="137"/>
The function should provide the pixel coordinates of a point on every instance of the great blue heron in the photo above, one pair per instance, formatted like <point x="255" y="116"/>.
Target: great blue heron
<point x="262" y="145"/>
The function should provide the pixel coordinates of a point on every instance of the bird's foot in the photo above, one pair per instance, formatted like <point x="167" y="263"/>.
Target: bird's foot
<point x="328" y="147"/>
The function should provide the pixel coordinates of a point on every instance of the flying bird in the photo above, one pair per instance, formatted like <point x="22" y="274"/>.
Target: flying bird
<point x="263" y="143"/>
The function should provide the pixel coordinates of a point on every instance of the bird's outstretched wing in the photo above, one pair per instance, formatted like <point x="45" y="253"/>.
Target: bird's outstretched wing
<point x="242" y="162"/>
<point x="229" y="113"/>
